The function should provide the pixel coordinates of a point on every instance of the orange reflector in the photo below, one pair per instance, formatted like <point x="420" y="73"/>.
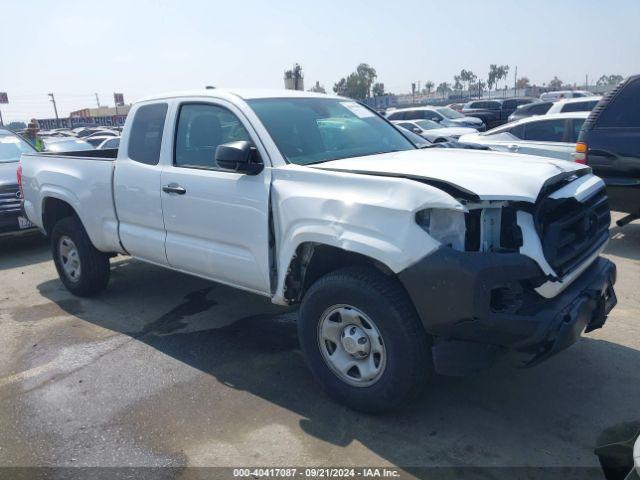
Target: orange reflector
<point x="581" y="147"/>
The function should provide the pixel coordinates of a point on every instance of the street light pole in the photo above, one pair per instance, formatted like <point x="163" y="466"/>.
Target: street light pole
<point x="55" y="109"/>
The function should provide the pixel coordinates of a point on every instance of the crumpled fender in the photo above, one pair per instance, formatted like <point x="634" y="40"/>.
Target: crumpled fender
<point x="369" y="215"/>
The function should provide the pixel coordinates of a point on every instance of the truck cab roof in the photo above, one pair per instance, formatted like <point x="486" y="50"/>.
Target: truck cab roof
<point x="245" y="94"/>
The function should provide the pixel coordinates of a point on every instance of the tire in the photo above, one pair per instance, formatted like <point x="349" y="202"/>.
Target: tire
<point x="70" y="241"/>
<point x="382" y="301"/>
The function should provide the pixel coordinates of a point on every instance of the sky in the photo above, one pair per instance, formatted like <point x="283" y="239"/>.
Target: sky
<point x="138" y="47"/>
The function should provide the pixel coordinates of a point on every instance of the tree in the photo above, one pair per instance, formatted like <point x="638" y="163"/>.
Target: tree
<point x="357" y="84"/>
<point x="378" y="89"/>
<point x="468" y="77"/>
<point x="522" y="82"/>
<point x="555" y="83"/>
<point x="503" y="71"/>
<point x="481" y="86"/>
<point x="428" y="85"/>
<point x="443" y="89"/>
<point x="457" y="82"/>
<point x="367" y="75"/>
<point x="492" y="77"/>
<point x="605" y="80"/>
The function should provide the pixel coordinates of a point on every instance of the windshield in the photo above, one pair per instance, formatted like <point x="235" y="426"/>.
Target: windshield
<point x="313" y="130"/>
<point x="427" y="124"/>
<point x="12" y="147"/>
<point x="449" y="113"/>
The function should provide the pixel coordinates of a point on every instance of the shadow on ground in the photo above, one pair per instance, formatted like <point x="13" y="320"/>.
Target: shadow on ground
<point x="552" y="414"/>
<point x="20" y="251"/>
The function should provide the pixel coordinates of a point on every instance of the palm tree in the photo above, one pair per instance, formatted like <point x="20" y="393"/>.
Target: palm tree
<point x="428" y="85"/>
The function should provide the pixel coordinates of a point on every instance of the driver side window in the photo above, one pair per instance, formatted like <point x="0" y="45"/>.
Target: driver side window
<point x="201" y="128"/>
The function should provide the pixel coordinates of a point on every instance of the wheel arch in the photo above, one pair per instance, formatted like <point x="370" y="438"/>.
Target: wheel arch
<point x="55" y="209"/>
<point x="313" y="260"/>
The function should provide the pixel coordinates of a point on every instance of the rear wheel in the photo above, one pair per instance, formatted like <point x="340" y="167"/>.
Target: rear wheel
<point x="363" y="340"/>
<point x="83" y="269"/>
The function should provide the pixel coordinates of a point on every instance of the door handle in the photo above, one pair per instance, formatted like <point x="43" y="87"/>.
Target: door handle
<point x="174" y="188"/>
<point x="513" y="147"/>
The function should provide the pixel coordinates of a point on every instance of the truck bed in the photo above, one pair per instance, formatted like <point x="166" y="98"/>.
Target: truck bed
<point x="82" y="179"/>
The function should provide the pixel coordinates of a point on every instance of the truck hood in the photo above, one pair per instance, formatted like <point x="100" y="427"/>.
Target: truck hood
<point x="487" y="175"/>
<point x="8" y="172"/>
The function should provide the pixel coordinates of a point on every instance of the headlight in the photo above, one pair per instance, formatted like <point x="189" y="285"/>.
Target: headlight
<point x="446" y="226"/>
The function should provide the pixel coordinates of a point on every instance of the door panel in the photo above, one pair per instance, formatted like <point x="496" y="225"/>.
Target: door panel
<point x="137" y="197"/>
<point x="137" y="184"/>
<point x="217" y="226"/>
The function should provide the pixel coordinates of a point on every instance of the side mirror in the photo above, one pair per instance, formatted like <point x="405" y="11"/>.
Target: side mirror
<point x="435" y="119"/>
<point x="416" y="130"/>
<point x="239" y="157"/>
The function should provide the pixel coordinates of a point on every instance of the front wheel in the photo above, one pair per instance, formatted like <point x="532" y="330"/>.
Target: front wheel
<point x="363" y="340"/>
<point x="83" y="269"/>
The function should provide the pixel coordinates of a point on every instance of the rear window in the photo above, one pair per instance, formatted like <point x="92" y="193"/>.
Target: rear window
<point x="540" y="109"/>
<point x="146" y="133"/>
<point x="580" y="106"/>
<point x="545" y="131"/>
<point x="624" y="108"/>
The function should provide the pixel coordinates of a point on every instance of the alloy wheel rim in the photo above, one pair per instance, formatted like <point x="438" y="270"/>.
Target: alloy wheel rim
<point x="351" y="345"/>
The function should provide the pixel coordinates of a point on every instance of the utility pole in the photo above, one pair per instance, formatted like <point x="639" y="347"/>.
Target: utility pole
<point x="1" y="121"/>
<point x="586" y="81"/>
<point x="97" y="100"/>
<point x="515" y="82"/>
<point x="55" y="109"/>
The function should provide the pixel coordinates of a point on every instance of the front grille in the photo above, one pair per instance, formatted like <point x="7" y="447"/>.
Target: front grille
<point x="10" y="199"/>
<point x="571" y="231"/>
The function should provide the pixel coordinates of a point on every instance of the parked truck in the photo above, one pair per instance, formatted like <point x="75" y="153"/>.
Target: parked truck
<point x="403" y="262"/>
<point x="494" y="112"/>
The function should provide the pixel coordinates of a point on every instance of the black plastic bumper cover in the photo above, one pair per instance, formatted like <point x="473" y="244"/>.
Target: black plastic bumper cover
<point x="451" y="291"/>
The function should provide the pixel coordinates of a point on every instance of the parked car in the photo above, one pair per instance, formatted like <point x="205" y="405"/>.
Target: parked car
<point x="400" y="258"/>
<point x="456" y="106"/>
<point x="580" y="104"/>
<point x="421" y="142"/>
<point x="494" y="112"/>
<point x="529" y="110"/>
<point x="552" y="136"/>
<point x="560" y="94"/>
<point x="103" y="133"/>
<point x="64" y="144"/>
<point x="445" y="116"/>
<point x="110" y="142"/>
<point x="96" y="140"/>
<point x="432" y="131"/>
<point x="610" y="144"/>
<point x="82" y="132"/>
<point x="12" y="221"/>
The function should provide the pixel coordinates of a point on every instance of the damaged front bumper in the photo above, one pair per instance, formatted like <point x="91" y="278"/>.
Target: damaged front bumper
<point x="481" y="298"/>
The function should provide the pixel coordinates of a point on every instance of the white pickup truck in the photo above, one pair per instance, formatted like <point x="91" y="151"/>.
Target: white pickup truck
<point x="404" y="261"/>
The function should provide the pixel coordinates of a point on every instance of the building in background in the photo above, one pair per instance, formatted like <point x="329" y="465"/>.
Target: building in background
<point x="102" y="111"/>
<point x="89" y="117"/>
<point x="294" y="78"/>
